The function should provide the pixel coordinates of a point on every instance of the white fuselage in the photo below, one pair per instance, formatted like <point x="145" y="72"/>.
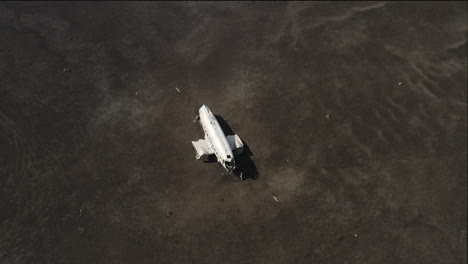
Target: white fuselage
<point x="216" y="138"/>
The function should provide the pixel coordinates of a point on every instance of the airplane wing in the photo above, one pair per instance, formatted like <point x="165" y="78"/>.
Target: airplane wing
<point x="202" y="149"/>
<point x="236" y="143"/>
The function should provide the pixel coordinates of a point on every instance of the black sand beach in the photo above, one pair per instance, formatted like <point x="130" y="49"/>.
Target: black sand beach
<point x="355" y="114"/>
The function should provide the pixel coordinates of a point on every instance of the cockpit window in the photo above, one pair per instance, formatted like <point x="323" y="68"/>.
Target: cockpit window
<point x="230" y="165"/>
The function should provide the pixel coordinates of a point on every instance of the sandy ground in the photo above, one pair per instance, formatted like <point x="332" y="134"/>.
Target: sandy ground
<point x="355" y="114"/>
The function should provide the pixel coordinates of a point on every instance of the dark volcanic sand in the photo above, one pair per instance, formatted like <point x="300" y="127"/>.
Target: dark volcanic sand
<point x="368" y="102"/>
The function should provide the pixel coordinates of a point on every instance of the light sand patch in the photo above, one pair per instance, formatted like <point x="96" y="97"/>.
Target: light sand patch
<point x="287" y="183"/>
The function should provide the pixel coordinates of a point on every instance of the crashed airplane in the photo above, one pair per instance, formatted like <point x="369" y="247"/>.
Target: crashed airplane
<point x="216" y="142"/>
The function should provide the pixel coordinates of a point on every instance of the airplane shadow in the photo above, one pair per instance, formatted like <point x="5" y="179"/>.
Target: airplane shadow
<point x="245" y="165"/>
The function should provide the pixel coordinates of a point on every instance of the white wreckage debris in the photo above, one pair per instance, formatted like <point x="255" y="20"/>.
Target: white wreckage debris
<point x="275" y="198"/>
